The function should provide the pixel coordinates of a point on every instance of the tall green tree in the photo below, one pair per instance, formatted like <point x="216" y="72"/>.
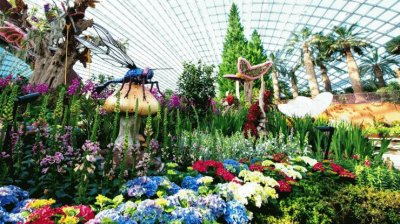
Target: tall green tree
<point x="303" y="39"/>
<point x="235" y="46"/>
<point x="278" y="67"/>
<point x="347" y="41"/>
<point x="378" y="66"/>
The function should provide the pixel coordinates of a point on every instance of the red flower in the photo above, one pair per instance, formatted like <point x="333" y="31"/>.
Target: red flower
<point x="256" y="167"/>
<point x="85" y="212"/>
<point x="42" y="215"/>
<point x="226" y="175"/>
<point x="278" y="157"/>
<point x="249" y="127"/>
<point x="230" y="99"/>
<point x="319" y="167"/>
<point x="254" y="112"/>
<point x="284" y="186"/>
<point x="336" y="168"/>
<point x="347" y="174"/>
<point x="290" y="180"/>
<point x="213" y="163"/>
<point x="367" y="163"/>
<point x="199" y="166"/>
<point x="356" y="157"/>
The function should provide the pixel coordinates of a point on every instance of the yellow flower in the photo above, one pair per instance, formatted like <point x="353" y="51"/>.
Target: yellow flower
<point x="38" y="203"/>
<point x="267" y="163"/>
<point x="206" y="180"/>
<point x="162" y="202"/>
<point x="69" y="220"/>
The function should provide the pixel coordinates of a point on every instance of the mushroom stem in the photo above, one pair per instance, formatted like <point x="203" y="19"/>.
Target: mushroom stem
<point x="127" y="125"/>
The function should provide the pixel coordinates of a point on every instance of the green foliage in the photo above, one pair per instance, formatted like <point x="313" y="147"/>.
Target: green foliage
<point x="348" y="37"/>
<point x="393" y="46"/>
<point x="379" y="178"/>
<point x="196" y="85"/>
<point x="359" y="204"/>
<point x="234" y="47"/>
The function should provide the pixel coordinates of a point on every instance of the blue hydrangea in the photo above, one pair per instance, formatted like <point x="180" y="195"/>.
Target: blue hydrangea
<point x="187" y="215"/>
<point x="235" y="213"/>
<point x="215" y="203"/>
<point x="173" y="188"/>
<point x="20" y="206"/>
<point x="11" y="195"/>
<point x="148" y="212"/>
<point x="142" y="186"/>
<point x="190" y="182"/>
<point x="234" y="166"/>
<point x="114" y="216"/>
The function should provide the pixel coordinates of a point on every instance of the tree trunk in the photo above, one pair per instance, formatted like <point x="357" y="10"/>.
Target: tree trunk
<point x="309" y="66"/>
<point x="379" y="76"/>
<point x="398" y="74"/>
<point x="295" y="89"/>
<point x="353" y="71"/>
<point x="50" y="66"/>
<point x="325" y="78"/>
<point x="50" y="69"/>
<point x="275" y="85"/>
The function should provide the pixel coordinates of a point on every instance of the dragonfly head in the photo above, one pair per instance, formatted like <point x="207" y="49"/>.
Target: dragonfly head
<point x="148" y="73"/>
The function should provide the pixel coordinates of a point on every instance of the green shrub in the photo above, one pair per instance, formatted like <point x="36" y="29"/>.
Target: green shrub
<point x="359" y="204"/>
<point x="379" y="178"/>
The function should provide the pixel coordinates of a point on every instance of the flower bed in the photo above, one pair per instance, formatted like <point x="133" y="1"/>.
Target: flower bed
<point x="208" y="191"/>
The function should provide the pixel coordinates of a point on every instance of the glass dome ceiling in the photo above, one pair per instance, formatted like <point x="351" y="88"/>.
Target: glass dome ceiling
<point x="164" y="33"/>
<point x="9" y="64"/>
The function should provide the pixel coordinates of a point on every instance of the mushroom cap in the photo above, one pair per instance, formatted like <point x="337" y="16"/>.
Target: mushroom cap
<point x="128" y="104"/>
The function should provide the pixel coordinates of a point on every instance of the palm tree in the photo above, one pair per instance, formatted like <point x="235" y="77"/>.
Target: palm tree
<point x="278" y="67"/>
<point x="293" y="80"/>
<point x="346" y="41"/>
<point x="321" y="45"/>
<point x="304" y="38"/>
<point x="377" y="66"/>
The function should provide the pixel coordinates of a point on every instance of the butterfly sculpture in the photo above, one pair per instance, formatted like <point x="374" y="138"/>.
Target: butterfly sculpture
<point x="12" y="34"/>
<point x="303" y="106"/>
<point x="247" y="73"/>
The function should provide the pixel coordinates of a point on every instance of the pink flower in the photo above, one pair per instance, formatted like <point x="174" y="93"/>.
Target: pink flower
<point x="367" y="163"/>
<point x="356" y="157"/>
<point x="73" y="87"/>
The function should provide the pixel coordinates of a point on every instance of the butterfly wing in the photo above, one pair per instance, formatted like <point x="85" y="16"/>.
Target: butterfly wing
<point x="12" y="34"/>
<point x="107" y="48"/>
<point x="251" y="73"/>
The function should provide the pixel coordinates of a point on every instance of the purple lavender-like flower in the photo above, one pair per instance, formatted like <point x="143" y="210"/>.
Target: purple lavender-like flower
<point x="158" y="96"/>
<point x="213" y="104"/>
<point x="154" y="145"/>
<point x="73" y="87"/>
<point x="42" y="88"/>
<point x="91" y="147"/>
<point x="174" y="101"/>
<point x="102" y="111"/>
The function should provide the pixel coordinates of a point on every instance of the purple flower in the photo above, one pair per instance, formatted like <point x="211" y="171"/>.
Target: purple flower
<point x="4" y="82"/>
<point x="157" y="95"/>
<point x="35" y="19"/>
<point x="88" y="87"/>
<point x="91" y="147"/>
<point x="42" y="88"/>
<point x="102" y="111"/>
<point x="154" y="145"/>
<point x="73" y="87"/>
<point x="47" y="7"/>
<point x="29" y="88"/>
<point x="213" y="105"/>
<point x="174" y="101"/>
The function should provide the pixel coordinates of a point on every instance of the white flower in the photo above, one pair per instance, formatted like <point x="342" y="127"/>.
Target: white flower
<point x="309" y="160"/>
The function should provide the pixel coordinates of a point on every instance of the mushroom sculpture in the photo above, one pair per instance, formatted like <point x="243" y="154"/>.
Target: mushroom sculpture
<point x="130" y="96"/>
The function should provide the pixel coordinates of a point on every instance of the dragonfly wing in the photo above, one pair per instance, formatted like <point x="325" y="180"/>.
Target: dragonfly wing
<point x="107" y="48"/>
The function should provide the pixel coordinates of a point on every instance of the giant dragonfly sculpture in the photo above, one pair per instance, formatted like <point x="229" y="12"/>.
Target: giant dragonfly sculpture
<point x="108" y="49"/>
